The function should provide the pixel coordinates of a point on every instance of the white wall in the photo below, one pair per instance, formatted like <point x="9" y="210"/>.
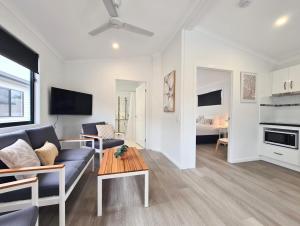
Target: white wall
<point x="50" y="65"/>
<point x="98" y="77"/>
<point x="156" y="103"/>
<point x="170" y="121"/>
<point x="209" y="81"/>
<point x="204" y="50"/>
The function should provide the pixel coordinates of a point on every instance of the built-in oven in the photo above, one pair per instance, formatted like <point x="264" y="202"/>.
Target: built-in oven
<point x="282" y="137"/>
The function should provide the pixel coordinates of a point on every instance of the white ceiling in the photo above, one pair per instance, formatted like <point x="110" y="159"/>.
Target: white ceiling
<point x="252" y="27"/>
<point x="65" y="25"/>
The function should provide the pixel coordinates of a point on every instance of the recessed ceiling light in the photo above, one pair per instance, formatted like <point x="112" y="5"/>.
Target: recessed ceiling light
<point x="115" y="45"/>
<point x="281" y="21"/>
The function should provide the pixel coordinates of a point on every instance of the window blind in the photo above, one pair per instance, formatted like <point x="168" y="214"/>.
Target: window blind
<point x="17" y="51"/>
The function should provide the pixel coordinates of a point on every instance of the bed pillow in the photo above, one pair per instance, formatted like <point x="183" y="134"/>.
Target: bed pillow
<point x="207" y="121"/>
<point x="200" y="119"/>
<point x="47" y="153"/>
<point x="106" y="131"/>
<point x="19" y="154"/>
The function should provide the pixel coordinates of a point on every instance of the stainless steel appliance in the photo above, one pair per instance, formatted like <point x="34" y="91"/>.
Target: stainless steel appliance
<point x="282" y="137"/>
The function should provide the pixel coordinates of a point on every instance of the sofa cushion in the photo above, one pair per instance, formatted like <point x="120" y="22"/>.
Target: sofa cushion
<point x="18" y="155"/>
<point x="107" y="143"/>
<point x="7" y="139"/>
<point x="48" y="183"/>
<point x="39" y="136"/>
<point x="110" y="143"/>
<point x="25" y="217"/>
<point x="90" y="128"/>
<point x="84" y="154"/>
<point x="47" y="154"/>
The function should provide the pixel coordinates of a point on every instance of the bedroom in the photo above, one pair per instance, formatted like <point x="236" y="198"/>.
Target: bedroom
<point x="213" y="112"/>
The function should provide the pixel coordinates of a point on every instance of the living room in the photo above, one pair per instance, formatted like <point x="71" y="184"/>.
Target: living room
<point x="181" y="37"/>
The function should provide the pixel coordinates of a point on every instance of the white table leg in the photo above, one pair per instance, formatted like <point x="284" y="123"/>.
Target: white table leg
<point x="147" y="189"/>
<point x="99" y="193"/>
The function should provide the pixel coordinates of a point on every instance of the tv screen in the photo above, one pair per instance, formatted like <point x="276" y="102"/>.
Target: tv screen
<point x="67" y="102"/>
<point x="209" y="99"/>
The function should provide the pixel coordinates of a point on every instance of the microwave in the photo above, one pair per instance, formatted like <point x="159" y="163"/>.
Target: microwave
<point x="282" y="137"/>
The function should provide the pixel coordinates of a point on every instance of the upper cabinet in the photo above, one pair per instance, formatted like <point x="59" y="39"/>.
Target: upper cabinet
<point x="280" y="81"/>
<point x="295" y="78"/>
<point x="286" y="80"/>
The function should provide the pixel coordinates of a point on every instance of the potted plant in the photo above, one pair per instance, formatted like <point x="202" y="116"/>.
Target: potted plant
<point x="121" y="151"/>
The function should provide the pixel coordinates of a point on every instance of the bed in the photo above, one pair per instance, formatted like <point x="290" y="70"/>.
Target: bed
<point x="206" y="134"/>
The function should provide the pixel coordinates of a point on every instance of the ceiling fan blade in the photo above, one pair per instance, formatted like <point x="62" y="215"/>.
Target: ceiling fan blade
<point x="101" y="29"/>
<point x="137" y="30"/>
<point x="111" y="8"/>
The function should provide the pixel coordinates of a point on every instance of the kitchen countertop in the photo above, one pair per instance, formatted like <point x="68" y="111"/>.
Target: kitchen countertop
<point x="279" y="124"/>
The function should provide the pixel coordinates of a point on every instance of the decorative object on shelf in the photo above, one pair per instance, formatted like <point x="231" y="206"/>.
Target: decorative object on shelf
<point x="169" y="92"/>
<point x="248" y="87"/>
<point x="121" y="151"/>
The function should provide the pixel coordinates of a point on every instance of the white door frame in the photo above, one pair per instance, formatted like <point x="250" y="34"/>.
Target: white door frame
<point x="147" y="101"/>
<point x="230" y="73"/>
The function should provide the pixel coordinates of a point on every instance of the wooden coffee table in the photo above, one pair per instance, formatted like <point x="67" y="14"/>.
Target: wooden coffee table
<point x="131" y="164"/>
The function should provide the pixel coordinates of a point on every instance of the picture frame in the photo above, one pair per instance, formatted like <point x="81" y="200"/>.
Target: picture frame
<point x="248" y="87"/>
<point x="169" y="92"/>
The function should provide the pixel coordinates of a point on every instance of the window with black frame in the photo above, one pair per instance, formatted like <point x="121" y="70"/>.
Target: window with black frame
<point x="18" y="65"/>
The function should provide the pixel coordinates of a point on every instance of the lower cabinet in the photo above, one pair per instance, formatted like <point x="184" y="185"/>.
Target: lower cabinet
<point x="282" y="154"/>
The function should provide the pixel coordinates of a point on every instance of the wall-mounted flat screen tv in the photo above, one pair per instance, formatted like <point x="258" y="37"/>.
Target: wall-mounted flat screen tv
<point x="67" y="102"/>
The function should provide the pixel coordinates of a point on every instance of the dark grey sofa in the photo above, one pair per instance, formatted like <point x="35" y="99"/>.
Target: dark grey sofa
<point x="54" y="188"/>
<point x="90" y="130"/>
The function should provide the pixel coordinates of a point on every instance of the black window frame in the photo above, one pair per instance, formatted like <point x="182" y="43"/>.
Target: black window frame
<point x="32" y="106"/>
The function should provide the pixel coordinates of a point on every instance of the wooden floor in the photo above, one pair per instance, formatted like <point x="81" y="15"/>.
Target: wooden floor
<point x="216" y="193"/>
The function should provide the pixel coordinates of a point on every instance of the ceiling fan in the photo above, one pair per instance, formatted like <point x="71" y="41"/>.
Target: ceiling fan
<point x="116" y="22"/>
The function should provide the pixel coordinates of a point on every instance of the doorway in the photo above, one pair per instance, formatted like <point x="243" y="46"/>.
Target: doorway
<point x="130" y="114"/>
<point x="213" y="90"/>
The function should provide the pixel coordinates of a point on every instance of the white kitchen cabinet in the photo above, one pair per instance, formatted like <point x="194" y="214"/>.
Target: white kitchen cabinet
<point x="294" y="77"/>
<point x="281" y="81"/>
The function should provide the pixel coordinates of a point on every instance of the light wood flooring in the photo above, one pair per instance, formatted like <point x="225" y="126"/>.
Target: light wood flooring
<point x="215" y="193"/>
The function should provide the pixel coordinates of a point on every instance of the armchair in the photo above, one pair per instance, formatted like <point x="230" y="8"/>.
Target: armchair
<point x="27" y="216"/>
<point x="89" y="130"/>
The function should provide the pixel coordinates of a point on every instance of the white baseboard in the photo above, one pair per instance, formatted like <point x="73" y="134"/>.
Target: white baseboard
<point x="154" y="150"/>
<point x="279" y="163"/>
<point x="172" y="160"/>
<point x="249" y="159"/>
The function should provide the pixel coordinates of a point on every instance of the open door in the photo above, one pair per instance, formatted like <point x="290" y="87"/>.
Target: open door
<point x="141" y="115"/>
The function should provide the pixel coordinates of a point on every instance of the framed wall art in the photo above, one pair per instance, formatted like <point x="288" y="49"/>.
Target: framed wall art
<point x="169" y="92"/>
<point x="248" y="87"/>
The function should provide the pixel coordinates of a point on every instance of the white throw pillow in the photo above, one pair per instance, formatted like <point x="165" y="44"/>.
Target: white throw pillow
<point x="106" y="131"/>
<point x="18" y="155"/>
